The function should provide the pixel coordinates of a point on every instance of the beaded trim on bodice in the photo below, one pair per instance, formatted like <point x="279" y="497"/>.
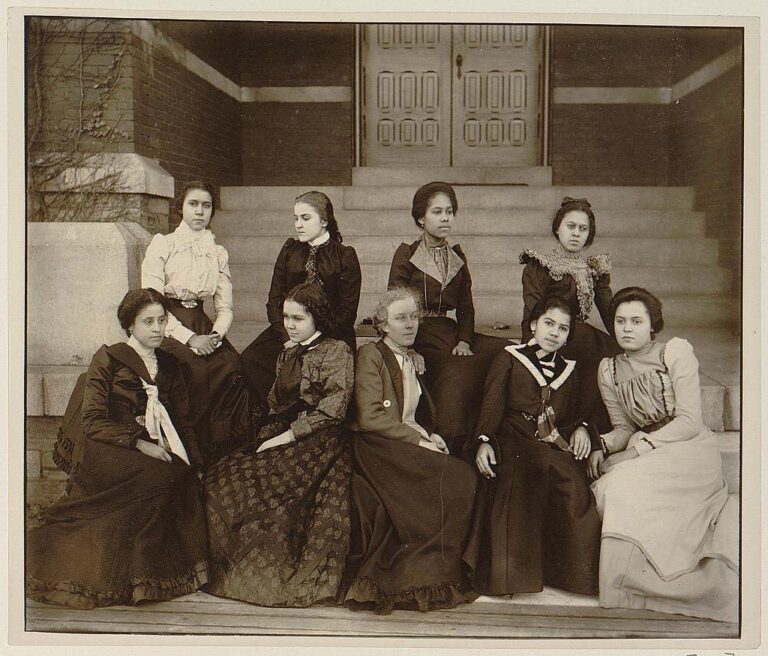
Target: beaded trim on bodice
<point x="584" y="271"/>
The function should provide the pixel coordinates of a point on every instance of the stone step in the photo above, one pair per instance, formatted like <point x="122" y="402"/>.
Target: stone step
<point x="504" y="278"/>
<point x="610" y="223"/>
<point x="46" y="482"/>
<point x="692" y="310"/>
<point x="499" y="250"/>
<point x="456" y="175"/>
<point x="470" y="196"/>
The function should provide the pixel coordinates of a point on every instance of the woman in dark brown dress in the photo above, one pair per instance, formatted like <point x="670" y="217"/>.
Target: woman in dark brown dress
<point x="540" y="525"/>
<point x="412" y="501"/>
<point x="132" y="527"/>
<point x="457" y="357"/>
<point x="278" y="509"/>
<point x="582" y="280"/>
<point x="316" y="255"/>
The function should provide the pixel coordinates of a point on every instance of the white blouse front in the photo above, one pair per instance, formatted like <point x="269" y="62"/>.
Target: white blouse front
<point x="411" y="389"/>
<point x="189" y="265"/>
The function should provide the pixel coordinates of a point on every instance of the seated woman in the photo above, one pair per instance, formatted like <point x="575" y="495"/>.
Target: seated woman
<point x="278" y="509"/>
<point x="564" y="271"/>
<point x="540" y="525"/>
<point x="438" y="273"/>
<point x="412" y="502"/>
<point x="187" y="266"/>
<point x="317" y="255"/>
<point x="670" y="530"/>
<point x="132" y="527"/>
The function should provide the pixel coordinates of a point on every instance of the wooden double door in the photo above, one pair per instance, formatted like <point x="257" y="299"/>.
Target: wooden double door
<point x="452" y="95"/>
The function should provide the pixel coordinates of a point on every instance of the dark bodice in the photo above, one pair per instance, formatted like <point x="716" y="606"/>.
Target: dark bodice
<point x="338" y="269"/>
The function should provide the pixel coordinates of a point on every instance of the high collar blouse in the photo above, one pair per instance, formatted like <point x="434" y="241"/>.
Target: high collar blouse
<point x="189" y="265"/>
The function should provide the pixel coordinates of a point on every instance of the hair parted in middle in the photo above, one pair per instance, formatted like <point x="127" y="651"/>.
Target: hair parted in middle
<point x="312" y="298"/>
<point x="324" y="207"/>
<point x="650" y="301"/>
<point x="381" y="311"/>
<point x="134" y="302"/>
<point x="424" y="196"/>
<point x="195" y="184"/>
<point x="546" y="303"/>
<point x="579" y="205"/>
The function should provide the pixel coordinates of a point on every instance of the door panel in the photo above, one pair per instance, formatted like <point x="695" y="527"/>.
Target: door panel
<point x="406" y="94"/>
<point x="460" y="95"/>
<point x="496" y="76"/>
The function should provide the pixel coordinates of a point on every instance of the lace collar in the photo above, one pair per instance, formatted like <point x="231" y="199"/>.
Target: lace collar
<point x="200" y="242"/>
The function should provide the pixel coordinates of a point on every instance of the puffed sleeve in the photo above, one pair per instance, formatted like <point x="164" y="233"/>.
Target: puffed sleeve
<point x="153" y="276"/>
<point x="623" y="428"/>
<point x="372" y="416"/>
<point x="96" y="422"/>
<point x="278" y="290"/>
<point x="683" y="370"/>
<point x="536" y="282"/>
<point x="349" y="288"/>
<point x="179" y="410"/>
<point x="493" y="405"/>
<point x="336" y="375"/>
<point x="465" y="308"/>
<point x="401" y="269"/>
<point x="222" y="297"/>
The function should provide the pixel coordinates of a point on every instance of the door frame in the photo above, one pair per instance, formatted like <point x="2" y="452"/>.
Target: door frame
<point x="545" y="94"/>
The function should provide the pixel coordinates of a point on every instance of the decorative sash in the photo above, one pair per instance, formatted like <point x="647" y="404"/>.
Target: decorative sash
<point x="158" y="423"/>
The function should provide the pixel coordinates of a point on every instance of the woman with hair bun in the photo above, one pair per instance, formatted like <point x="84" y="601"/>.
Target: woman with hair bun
<point x="278" y="508"/>
<point x="670" y="536"/>
<point x="583" y="281"/>
<point x="316" y="255"/>
<point x="188" y="266"/>
<point x="131" y="527"/>
<point x="456" y="357"/>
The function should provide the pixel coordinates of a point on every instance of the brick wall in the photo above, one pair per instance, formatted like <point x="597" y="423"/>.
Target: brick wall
<point x="188" y="125"/>
<point x="706" y="152"/>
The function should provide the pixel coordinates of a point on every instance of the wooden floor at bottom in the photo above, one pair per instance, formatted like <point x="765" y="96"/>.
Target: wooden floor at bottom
<point x="549" y="614"/>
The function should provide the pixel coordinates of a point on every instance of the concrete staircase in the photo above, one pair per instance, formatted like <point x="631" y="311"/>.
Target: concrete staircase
<point x="654" y="236"/>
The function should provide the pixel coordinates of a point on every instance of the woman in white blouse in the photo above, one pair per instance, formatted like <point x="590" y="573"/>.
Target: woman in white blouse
<point x="188" y="266"/>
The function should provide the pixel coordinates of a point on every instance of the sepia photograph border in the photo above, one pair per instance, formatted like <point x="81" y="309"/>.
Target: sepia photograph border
<point x="748" y="16"/>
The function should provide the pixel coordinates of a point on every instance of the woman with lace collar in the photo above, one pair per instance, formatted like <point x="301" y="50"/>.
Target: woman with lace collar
<point x="456" y="356"/>
<point x="188" y="266"/>
<point x="316" y="255"/>
<point x="583" y="281"/>
<point x="132" y="526"/>
<point x="539" y="525"/>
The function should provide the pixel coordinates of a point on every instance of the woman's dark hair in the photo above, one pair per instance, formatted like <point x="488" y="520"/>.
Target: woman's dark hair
<point x="134" y="302"/>
<point x="195" y="184"/>
<point x="577" y="205"/>
<point x="312" y="298"/>
<point x="547" y="303"/>
<point x="424" y="196"/>
<point x="652" y="305"/>
<point x="320" y="202"/>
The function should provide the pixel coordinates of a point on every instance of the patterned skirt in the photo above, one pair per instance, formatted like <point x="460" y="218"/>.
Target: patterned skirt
<point x="279" y="521"/>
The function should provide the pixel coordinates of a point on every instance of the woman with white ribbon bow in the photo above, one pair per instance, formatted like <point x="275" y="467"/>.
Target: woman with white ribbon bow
<point x="188" y="266"/>
<point x="132" y="526"/>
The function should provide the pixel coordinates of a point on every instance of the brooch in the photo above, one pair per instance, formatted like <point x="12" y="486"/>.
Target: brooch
<point x="189" y="304"/>
<point x="387" y="403"/>
<point x="141" y="421"/>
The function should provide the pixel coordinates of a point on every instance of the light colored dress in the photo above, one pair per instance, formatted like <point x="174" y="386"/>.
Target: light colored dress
<point x="670" y="530"/>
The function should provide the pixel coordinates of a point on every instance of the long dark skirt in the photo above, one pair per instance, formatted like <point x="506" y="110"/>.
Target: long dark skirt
<point x="539" y="524"/>
<point x="260" y="360"/>
<point x="412" y="510"/>
<point x="279" y="521"/>
<point x="218" y="394"/>
<point x="455" y="382"/>
<point x="588" y="345"/>
<point x="131" y="529"/>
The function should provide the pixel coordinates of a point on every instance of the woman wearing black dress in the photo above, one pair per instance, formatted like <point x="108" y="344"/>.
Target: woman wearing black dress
<point x="316" y="255"/>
